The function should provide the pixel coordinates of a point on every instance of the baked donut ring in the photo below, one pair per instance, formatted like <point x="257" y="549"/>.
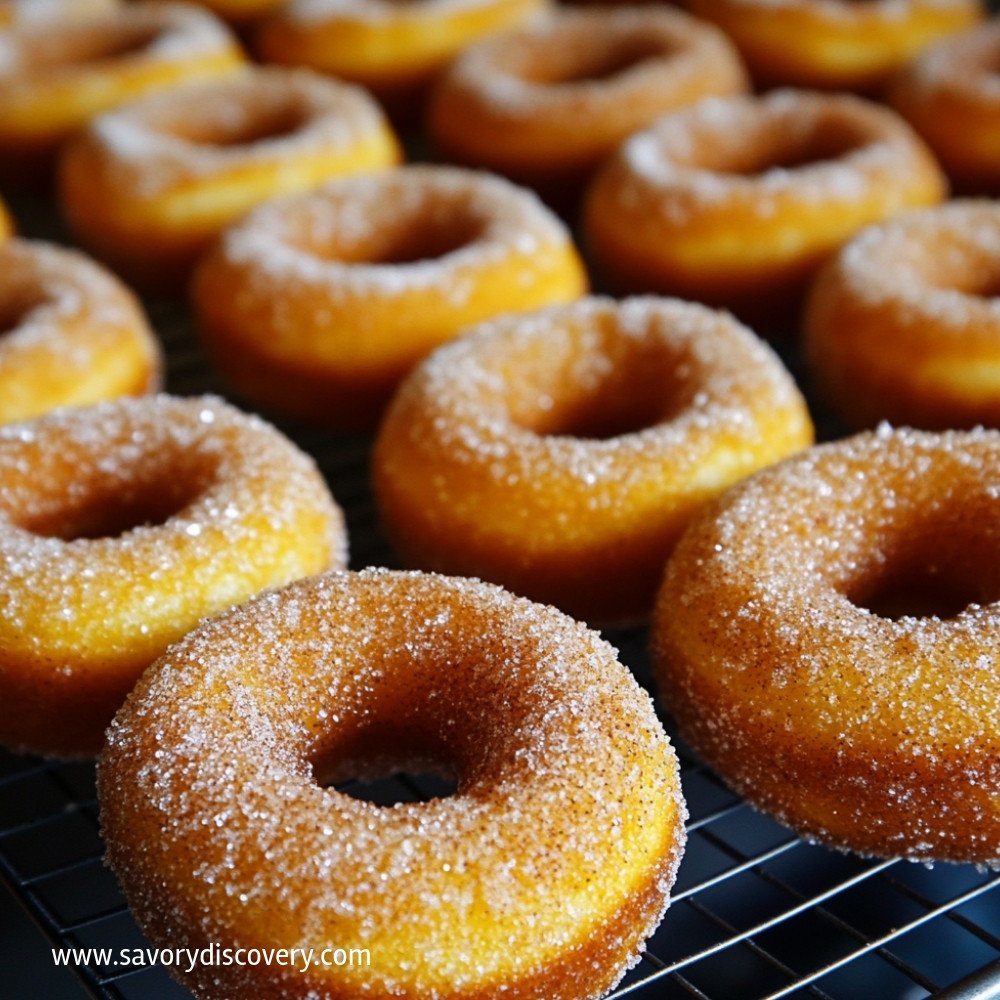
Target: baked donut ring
<point x="540" y="876"/>
<point x="148" y="186"/>
<point x="562" y="453"/>
<point x="70" y="333"/>
<point x="736" y="201"/>
<point x="34" y="11"/>
<point x="122" y="525"/>
<point x="834" y="44"/>
<point x="55" y="77"/>
<point x="394" y="49"/>
<point x="949" y="95"/>
<point x="317" y="306"/>
<point x="903" y="324"/>
<point x="544" y="104"/>
<point x="828" y="639"/>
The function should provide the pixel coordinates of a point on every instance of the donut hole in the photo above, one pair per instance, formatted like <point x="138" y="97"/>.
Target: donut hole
<point x="16" y="311"/>
<point x="624" y="386"/>
<point x="109" y="508"/>
<point x="583" y="61"/>
<point x="266" y="124"/>
<point x="936" y="572"/>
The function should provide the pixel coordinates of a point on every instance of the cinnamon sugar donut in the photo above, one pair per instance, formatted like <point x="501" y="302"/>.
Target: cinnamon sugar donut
<point x="317" y="306"/>
<point x="395" y="49"/>
<point x="148" y="186"/>
<point x="122" y="525"/>
<point x="56" y="76"/>
<point x="951" y="96"/>
<point x="539" y="877"/>
<point x="903" y="325"/>
<point x="34" y="11"/>
<point x="70" y="333"/>
<point x="834" y="44"/>
<point x="736" y="201"/>
<point x="545" y="103"/>
<point x="562" y="453"/>
<point x="828" y="639"/>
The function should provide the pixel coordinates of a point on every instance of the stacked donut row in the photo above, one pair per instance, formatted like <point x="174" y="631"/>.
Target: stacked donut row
<point x="826" y="631"/>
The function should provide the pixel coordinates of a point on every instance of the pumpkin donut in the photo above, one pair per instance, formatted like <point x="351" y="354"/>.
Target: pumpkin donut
<point x="70" y="333"/>
<point x="394" y="49"/>
<point x="147" y="187"/>
<point x="903" y="325"/>
<point x="121" y="526"/>
<point x="55" y="77"/>
<point x="828" y="639"/>
<point x="538" y="878"/>
<point x="834" y="44"/>
<point x="545" y="103"/>
<point x="562" y="453"/>
<point x="317" y="306"/>
<point x="736" y="201"/>
<point x="949" y="94"/>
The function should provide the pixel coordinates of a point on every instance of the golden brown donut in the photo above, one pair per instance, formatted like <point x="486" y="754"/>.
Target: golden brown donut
<point x="736" y="201"/>
<point x="538" y="878"/>
<point x="148" y="186"/>
<point x="35" y="11"/>
<point x="834" y="44"/>
<point x="55" y="77"/>
<point x="562" y="453"/>
<point x="828" y="640"/>
<point x="545" y="103"/>
<point x="70" y="333"/>
<point x="317" y="306"/>
<point x="903" y="325"/>
<point x="395" y="49"/>
<point x="122" y="525"/>
<point x="950" y="96"/>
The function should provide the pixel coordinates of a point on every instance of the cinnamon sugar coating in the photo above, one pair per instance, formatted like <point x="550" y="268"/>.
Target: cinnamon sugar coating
<point x="121" y="526"/>
<point x="539" y="877"/>
<point x="828" y="638"/>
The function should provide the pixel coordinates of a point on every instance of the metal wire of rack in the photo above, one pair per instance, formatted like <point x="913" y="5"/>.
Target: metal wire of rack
<point x="756" y="911"/>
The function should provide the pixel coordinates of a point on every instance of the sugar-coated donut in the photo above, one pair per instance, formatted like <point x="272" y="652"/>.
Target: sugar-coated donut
<point x="828" y="639"/>
<point x="70" y="333"/>
<point x="544" y="104"/>
<point x="561" y="453"/>
<point x="834" y="44"/>
<point x="736" y="201"/>
<point x="34" y="11"/>
<point x="122" y="525"/>
<point x="317" y="306"/>
<point x="54" y="77"/>
<point x="148" y="186"/>
<point x="949" y="94"/>
<point x="539" y="878"/>
<point x="903" y="325"/>
<point x="393" y="48"/>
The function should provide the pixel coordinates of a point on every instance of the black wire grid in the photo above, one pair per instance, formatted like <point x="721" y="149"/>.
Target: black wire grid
<point x="756" y="912"/>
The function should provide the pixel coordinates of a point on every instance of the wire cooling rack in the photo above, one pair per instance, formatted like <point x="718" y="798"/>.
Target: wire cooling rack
<point x="756" y="912"/>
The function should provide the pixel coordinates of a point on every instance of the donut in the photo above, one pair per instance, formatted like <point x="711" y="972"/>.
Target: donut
<point x="395" y="49"/>
<point x="34" y="11"/>
<point x="736" y="201"/>
<point x="834" y="44"/>
<point x="539" y="877"/>
<point x="546" y="103"/>
<point x="949" y="94"/>
<point x="828" y="639"/>
<point x="70" y="333"/>
<point x="56" y="76"/>
<point x="903" y="325"/>
<point x="148" y="186"/>
<point x="561" y="453"/>
<point x="121" y="526"/>
<point x="317" y="306"/>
